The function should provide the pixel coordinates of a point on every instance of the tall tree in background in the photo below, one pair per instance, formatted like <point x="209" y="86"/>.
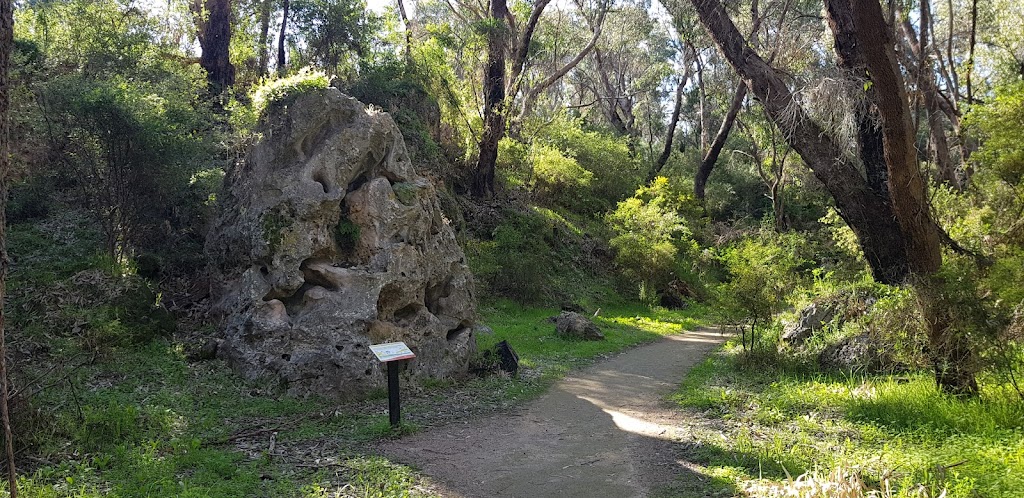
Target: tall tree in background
<point x="504" y="79"/>
<point x="264" y="36"/>
<point x="921" y="48"/>
<point x="281" y="59"/>
<point x="494" y="97"/>
<point x="670" y="133"/>
<point x="893" y="226"/>
<point x="335" y="34"/>
<point x="6" y="45"/>
<point x="707" y="163"/>
<point x="620" y="85"/>
<point x="214" y="28"/>
<point x="495" y="107"/>
<point x="407" y="25"/>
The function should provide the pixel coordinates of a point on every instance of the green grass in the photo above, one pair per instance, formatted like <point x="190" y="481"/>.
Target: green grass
<point x="143" y="420"/>
<point x="546" y="357"/>
<point x="755" y="421"/>
<point x="147" y="422"/>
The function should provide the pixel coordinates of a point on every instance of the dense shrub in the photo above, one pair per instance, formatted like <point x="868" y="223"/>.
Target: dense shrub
<point x="763" y="271"/>
<point x="616" y="171"/>
<point x="273" y="93"/>
<point x="399" y="89"/>
<point x="1000" y="123"/>
<point x="516" y="262"/>
<point x="514" y="166"/>
<point x="653" y="236"/>
<point x="558" y="179"/>
<point x="109" y="122"/>
<point x="565" y="165"/>
<point x="133" y="152"/>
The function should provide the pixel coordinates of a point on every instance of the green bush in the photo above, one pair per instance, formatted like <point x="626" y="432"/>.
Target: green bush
<point x="763" y="271"/>
<point x="616" y="170"/>
<point x="132" y="153"/>
<point x="653" y="240"/>
<point x="346" y="235"/>
<point x="558" y="179"/>
<point x="1000" y="122"/>
<point x="399" y="89"/>
<point x="514" y="165"/>
<point x="29" y="200"/>
<point x="516" y="262"/>
<point x="283" y="90"/>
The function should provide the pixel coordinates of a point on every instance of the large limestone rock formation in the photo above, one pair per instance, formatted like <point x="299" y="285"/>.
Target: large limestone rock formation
<point x="329" y="241"/>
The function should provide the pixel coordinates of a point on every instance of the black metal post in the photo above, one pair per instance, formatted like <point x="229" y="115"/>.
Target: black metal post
<point x="394" y="405"/>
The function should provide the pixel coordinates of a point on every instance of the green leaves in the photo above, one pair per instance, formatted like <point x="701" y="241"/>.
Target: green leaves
<point x="652" y="234"/>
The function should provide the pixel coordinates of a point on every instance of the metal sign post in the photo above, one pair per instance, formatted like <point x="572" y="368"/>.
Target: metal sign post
<point x="393" y="353"/>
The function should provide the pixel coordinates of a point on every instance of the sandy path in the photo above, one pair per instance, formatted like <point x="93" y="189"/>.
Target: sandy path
<point x="602" y="432"/>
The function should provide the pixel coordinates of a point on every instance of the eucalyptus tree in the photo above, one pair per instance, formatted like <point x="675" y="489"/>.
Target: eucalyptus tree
<point x="629" y="64"/>
<point x="213" y="22"/>
<point x="282" y="57"/>
<point x="781" y="27"/>
<point x="891" y="218"/>
<point x="333" y="34"/>
<point x="508" y="52"/>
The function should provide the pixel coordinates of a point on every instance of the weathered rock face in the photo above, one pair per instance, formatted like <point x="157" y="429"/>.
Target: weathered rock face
<point x="812" y="319"/>
<point x="328" y="241"/>
<point x="576" y="326"/>
<point x="859" y="353"/>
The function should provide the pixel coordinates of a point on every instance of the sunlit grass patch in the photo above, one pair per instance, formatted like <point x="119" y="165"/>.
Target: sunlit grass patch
<point x="532" y="334"/>
<point x="914" y="403"/>
<point x="900" y="436"/>
<point x="370" y="477"/>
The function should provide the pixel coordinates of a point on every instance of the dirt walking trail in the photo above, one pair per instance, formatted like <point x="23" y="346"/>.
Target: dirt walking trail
<point x="605" y="431"/>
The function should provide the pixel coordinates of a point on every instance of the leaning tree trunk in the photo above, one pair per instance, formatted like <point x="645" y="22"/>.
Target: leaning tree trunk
<point x="494" y="101"/>
<point x="408" y="32"/>
<point x="897" y="235"/>
<point x="670" y="134"/>
<point x="952" y="358"/>
<point x="6" y="44"/>
<point x="700" y="180"/>
<point x="215" y="43"/>
<point x="869" y="136"/>
<point x="880" y="236"/>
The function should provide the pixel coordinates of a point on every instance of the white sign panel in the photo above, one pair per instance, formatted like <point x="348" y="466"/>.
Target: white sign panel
<point x="392" y="351"/>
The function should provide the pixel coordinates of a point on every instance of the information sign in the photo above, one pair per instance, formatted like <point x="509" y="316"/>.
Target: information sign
<point x="392" y="351"/>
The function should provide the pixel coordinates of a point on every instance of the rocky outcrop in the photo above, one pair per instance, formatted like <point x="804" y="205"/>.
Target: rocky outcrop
<point x="572" y="325"/>
<point x="859" y="354"/>
<point x="329" y="241"/>
<point x="812" y="319"/>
